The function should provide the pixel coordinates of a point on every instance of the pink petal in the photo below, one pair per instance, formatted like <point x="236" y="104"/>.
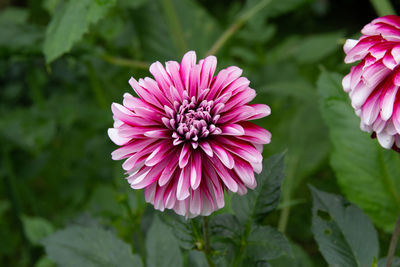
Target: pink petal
<point x="182" y="190"/>
<point x="155" y="91"/>
<point x="161" y="76"/>
<point x="158" y="133"/>
<point x="144" y="93"/>
<point x="207" y="71"/>
<point x="225" y="157"/>
<point x="158" y="154"/>
<point x="173" y="70"/>
<point x="169" y="170"/>
<point x="388" y="102"/>
<point x="255" y="133"/>
<point x="224" y="175"/>
<point x="260" y="111"/>
<point x="206" y="148"/>
<point x="232" y="129"/>
<point x="116" y="138"/>
<point x="240" y="98"/>
<point x="360" y="50"/>
<point x="148" y="177"/>
<point x="396" y="116"/>
<point x="386" y="140"/>
<point x="188" y="61"/>
<point x="194" y="80"/>
<point x="131" y="148"/>
<point x="370" y="109"/>
<point x="169" y="198"/>
<point x="159" y="198"/>
<point x="349" y="44"/>
<point x="195" y="175"/>
<point x="241" y="149"/>
<point x="184" y="156"/>
<point x="195" y="203"/>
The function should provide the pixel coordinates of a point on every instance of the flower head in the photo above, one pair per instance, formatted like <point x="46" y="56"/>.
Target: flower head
<point x="374" y="82"/>
<point x="187" y="138"/>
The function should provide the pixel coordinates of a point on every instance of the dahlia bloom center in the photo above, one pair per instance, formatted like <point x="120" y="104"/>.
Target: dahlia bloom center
<point x="192" y="121"/>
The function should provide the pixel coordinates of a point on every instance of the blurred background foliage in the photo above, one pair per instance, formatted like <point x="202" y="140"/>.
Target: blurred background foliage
<point x="63" y="62"/>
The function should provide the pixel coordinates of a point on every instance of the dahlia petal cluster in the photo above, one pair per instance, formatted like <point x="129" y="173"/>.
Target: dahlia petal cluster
<point x="187" y="137"/>
<point x="373" y="83"/>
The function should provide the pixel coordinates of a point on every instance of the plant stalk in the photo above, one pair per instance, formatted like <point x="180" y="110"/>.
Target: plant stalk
<point x="236" y="25"/>
<point x="393" y="243"/>
<point x="207" y="250"/>
<point x="383" y="7"/>
<point x="11" y="188"/>
<point x="135" y="218"/>
<point x="174" y="25"/>
<point x="124" y="62"/>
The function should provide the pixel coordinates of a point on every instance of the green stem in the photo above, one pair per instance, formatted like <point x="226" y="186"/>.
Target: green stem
<point x="124" y="62"/>
<point x="174" y="25"/>
<point x="236" y="25"/>
<point x="239" y="255"/>
<point x="207" y="249"/>
<point x="286" y="196"/>
<point x="97" y="87"/>
<point x="11" y="188"/>
<point x="383" y="7"/>
<point x="393" y="243"/>
<point x="135" y="218"/>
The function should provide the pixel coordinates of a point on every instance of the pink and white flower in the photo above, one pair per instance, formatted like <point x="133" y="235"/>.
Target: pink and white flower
<point x="374" y="82"/>
<point x="187" y="137"/>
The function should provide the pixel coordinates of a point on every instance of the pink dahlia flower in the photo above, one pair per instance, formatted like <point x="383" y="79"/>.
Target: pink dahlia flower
<point x="374" y="82"/>
<point x="187" y="138"/>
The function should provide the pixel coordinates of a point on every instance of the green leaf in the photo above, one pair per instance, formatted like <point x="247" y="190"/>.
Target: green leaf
<point x="227" y="226"/>
<point x="279" y="7"/>
<point x="197" y="259"/>
<point x="275" y="7"/>
<point x="262" y="200"/>
<point x="314" y="48"/>
<point x="131" y="3"/>
<point x="36" y="228"/>
<point x="299" y="258"/>
<point x="4" y="206"/>
<point x="70" y="23"/>
<point x="345" y="235"/>
<point x="28" y="132"/>
<point x="89" y="246"/>
<point x="16" y="34"/>
<point x="265" y="243"/>
<point x="395" y="262"/>
<point x="44" y="262"/>
<point x="103" y="201"/>
<point x="306" y="50"/>
<point x="158" y="35"/>
<point x="12" y="15"/>
<point x="298" y="88"/>
<point x="368" y="174"/>
<point x="182" y="229"/>
<point x="161" y="246"/>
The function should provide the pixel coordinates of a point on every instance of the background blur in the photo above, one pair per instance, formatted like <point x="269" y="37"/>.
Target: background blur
<point x="62" y="64"/>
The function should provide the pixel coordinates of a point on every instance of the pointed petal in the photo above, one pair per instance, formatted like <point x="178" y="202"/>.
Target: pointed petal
<point x="184" y="156"/>
<point x="195" y="175"/>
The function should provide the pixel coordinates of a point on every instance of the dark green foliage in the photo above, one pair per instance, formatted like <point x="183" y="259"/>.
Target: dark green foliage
<point x="368" y="175"/>
<point x="345" y="235"/>
<point x="161" y="246"/>
<point x="241" y="236"/>
<point x="62" y="64"/>
<point x="265" y="197"/>
<point x="89" y="246"/>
